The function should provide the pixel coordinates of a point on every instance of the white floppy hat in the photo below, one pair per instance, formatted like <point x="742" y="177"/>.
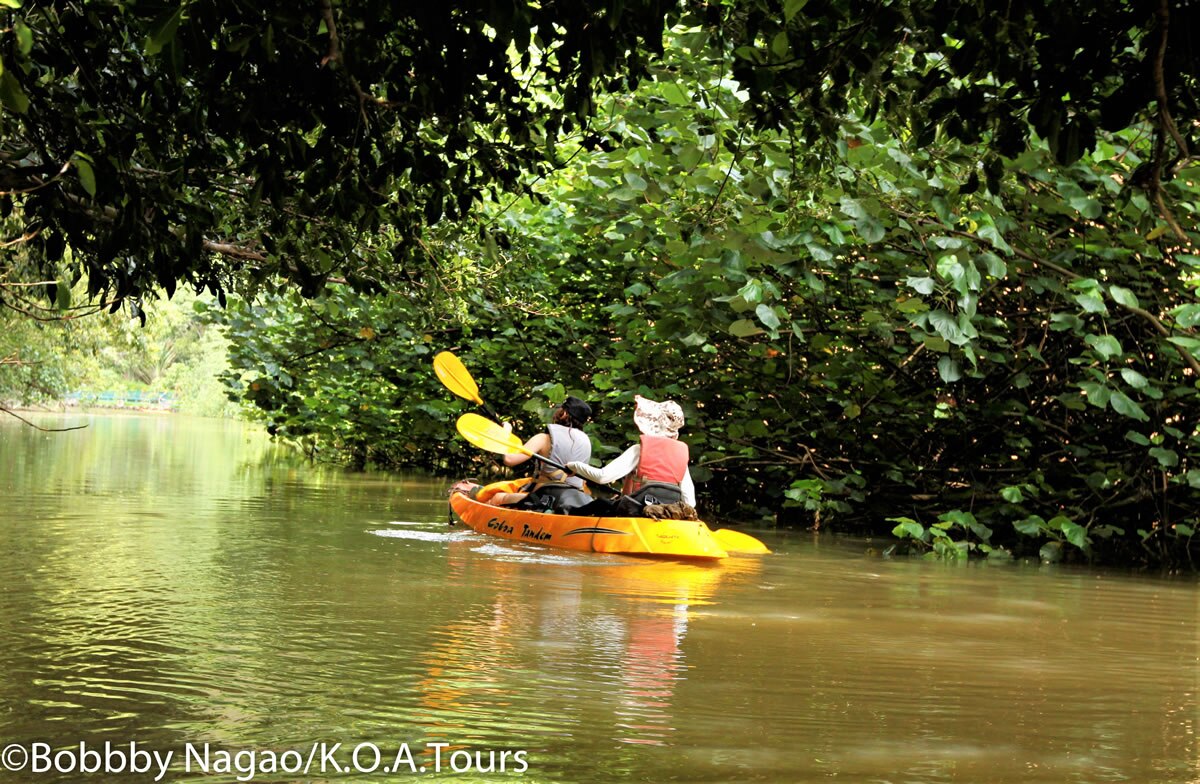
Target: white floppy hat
<point x="657" y="419"/>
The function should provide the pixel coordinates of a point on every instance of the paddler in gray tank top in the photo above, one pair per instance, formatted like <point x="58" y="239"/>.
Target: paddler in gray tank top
<point x="563" y="442"/>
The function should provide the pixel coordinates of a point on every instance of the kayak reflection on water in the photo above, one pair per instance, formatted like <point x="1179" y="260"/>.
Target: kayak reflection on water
<point x="620" y="620"/>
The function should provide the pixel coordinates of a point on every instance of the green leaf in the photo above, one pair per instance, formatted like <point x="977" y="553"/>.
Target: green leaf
<point x="949" y="370"/>
<point x="870" y="229"/>
<point x="24" y="37"/>
<point x="1165" y="457"/>
<point x="162" y="32"/>
<point x="744" y="328"/>
<point x="996" y="266"/>
<point x="947" y="326"/>
<point x="956" y="517"/>
<point x="792" y="7"/>
<point x="935" y="343"/>
<point x="751" y="292"/>
<point x="1191" y="344"/>
<point x="1012" y="494"/>
<point x="852" y="208"/>
<point x="1057" y="522"/>
<point x="1063" y="322"/>
<point x="635" y="181"/>
<point x="982" y="531"/>
<point x="993" y="235"/>
<point x="87" y="177"/>
<point x="1097" y="394"/>
<point x="1091" y="303"/>
<point x="1105" y="345"/>
<point x="11" y="95"/>
<point x="11" y="3"/>
<point x="950" y="268"/>
<point x="1137" y="438"/>
<point x="942" y="209"/>
<point x="1051" y="552"/>
<point x="1183" y="529"/>
<point x="1076" y="534"/>
<point x="921" y="285"/>
<point x="1087" y="207"/>
<point x="766" y="314"/>
<point x="780" y="45"/>
<point x="675" y="94"/>
<point x="907" y="528"/>
<point x="1123" y="296"/>
<point x="1134" y="378"/>
<point x="1030" y="526"/>
<point x="1187" y="315"/>
<point x="1126" y="407"/>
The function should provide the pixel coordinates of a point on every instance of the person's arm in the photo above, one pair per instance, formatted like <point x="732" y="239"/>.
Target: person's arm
<point x="687" y="490"/>
<point x="539" y="443"/>
<point x="617" y="469"/>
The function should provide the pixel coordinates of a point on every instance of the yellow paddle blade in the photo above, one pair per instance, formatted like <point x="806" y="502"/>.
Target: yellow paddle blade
<point x="486" y="434"/>
<point x="453" y="373"/>
<point x="738" y="542"/>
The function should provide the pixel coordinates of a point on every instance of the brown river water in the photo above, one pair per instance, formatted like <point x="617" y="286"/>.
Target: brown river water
<point x="181" y="600"/>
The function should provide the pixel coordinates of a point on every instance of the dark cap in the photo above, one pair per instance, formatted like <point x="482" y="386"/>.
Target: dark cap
<point x="577" y="409"/>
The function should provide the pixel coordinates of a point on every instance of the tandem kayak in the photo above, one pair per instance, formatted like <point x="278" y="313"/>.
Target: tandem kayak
<point x="619" y="535"/>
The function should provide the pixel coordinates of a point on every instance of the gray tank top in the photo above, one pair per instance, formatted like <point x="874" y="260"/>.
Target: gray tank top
<point x="566" y="445"/>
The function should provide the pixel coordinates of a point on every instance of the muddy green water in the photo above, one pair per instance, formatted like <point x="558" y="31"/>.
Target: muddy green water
<point x="173" y="583"/>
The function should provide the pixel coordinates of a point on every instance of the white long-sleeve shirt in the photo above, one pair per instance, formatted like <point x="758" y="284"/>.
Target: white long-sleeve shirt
<point x="624" y="465"/>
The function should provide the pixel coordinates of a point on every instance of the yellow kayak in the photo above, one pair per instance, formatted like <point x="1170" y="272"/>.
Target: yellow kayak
<point x="622" y="535"/>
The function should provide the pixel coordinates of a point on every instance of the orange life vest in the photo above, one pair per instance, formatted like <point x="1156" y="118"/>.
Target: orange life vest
<point x="662" y="460"/>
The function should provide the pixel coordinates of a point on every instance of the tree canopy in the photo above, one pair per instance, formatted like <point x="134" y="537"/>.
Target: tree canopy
<point x="217" y="143"/>
<point x="223" y="144"/>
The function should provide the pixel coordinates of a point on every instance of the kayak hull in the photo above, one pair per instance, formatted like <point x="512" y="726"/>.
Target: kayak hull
<point x="619" y="535"/>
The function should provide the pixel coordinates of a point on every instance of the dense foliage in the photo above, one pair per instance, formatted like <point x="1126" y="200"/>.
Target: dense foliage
<point x="915" y="264"/>
<point x="858" y="335"/>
